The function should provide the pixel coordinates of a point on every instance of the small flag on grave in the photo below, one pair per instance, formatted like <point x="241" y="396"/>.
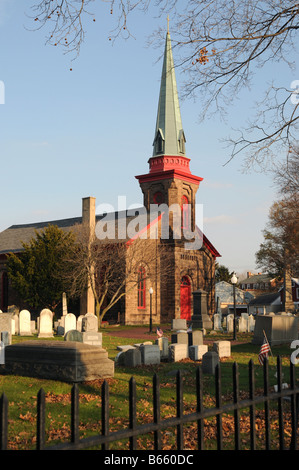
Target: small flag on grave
<point x="159" y="332"/>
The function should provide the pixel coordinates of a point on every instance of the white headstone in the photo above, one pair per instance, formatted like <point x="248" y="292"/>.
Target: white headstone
<point x="45" y="324"/>
<point x="177" y="352"/>
<point x="25" y="323"/>
<point x="70" y="322"/>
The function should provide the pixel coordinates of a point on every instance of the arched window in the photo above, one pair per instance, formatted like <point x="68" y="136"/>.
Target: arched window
<point x="141" y="287"/>
<point x="185" y="213"/>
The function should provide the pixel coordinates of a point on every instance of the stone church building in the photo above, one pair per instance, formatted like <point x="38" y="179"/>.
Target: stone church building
<point x="168" y="184"/>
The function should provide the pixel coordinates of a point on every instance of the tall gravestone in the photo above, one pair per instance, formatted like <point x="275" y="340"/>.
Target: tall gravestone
<point x="200" y="318"/>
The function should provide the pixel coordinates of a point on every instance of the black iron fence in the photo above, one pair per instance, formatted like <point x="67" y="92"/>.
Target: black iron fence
<point x="105" y="437"/>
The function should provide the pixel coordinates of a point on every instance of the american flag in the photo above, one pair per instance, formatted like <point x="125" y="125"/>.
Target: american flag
<point x="159" y="332"/>
<point x="265" y="348"/>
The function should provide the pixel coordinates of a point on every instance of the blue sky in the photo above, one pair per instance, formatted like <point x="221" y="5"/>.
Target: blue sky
<point x="68" y="134"/>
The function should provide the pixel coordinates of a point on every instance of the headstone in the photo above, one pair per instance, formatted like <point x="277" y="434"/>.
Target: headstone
<point x="45" y="324"/>
<point x="251" y="323"/>
<point x="67" y="361"/>
<point x="200" y="318"/>
<point x="60" y="330"/>
<point x="222" y="348"/>
<point x="132" y="358"/>
<point x="79" y="322"/>
<point x="197" y="351"/>
<point x="70" y="322"/>
<point x="150" y="354"/>
<point x="209" y="362"/>
<point x="217" y="322"/>
<point x="90" y="323"/>
<point x="243" y="324"/>
<point x="5" y="338"/>
<point x="279" y="329"/>
<point x="177" y="352"/>
<point x="73" y="335"/>
<point x="230" y="323"/>
<point x="195" y="337"/>
<point x="178" y="324"/>
<point x="124" y="347"/>
<point x="120" y="358"/>
<point x="16" y="319"/>
<point x="25" y="323"/>
<point x="181" y="338"/>
<point x="6" y="323"/>
<point x="163" y="346"/>
<point x="92" y="337"/>
<point x="2" y="352"/>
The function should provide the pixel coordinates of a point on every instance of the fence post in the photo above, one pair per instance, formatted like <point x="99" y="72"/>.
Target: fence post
<point x="179" y="407"/>
<point x="105" y="413"/>
<point x="132" y="411"/>
<point x="294" y="407"/>
<point x="218" y="406"/>
<point x="252" y="406"/>
<point x="3" y="422"/>
<point x="156" y="409"/>
<point x="266" y="395"/>
<point x="199" y="408"/>
<point x="40" y="432"/>
<point x="280" y="404"/>
<point x="236" y="400"/>
<point x="75" y="414"/>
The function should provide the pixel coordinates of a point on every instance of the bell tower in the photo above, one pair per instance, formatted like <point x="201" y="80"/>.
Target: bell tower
<point x="169" y="180"/>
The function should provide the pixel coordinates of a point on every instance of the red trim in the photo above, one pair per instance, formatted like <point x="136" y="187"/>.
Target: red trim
<point x="169" y="162"/>
<point x="129" y="242"/>
<point x="169" y="174"/>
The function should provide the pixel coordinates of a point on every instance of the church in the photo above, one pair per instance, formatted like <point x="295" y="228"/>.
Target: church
<point x="169" y="194"/>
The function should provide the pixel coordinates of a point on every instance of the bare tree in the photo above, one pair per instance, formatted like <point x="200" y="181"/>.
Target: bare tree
<point x="110" y="267"/>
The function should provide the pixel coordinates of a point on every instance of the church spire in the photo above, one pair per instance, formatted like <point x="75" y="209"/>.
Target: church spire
<point x="169" y="134"/>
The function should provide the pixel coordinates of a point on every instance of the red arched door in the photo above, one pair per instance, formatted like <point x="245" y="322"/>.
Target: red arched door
<point x="185" y="298"/>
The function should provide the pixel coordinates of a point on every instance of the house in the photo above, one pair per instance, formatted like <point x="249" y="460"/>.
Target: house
<point x="224" y="295"/>
<point x="264" y="304"/>
<point x="258" y="283"/>
<point x="171" y="188"/>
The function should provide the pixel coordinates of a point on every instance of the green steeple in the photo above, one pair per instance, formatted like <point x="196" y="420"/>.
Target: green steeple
<point x="169" y="135"/>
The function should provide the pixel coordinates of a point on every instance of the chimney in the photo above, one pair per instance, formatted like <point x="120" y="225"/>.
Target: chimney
<point x="89" y="211"/>
<point x="249" y="274"/>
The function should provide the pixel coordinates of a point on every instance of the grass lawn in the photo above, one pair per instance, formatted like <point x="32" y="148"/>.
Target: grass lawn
<point x="22" y="396"/>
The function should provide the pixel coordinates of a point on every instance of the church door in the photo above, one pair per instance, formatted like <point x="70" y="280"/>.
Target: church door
<point x="185" y="298"/>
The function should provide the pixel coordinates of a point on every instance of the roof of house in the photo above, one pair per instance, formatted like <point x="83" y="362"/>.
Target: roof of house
<point x="266" y="299"/>
<point x="256" y="278"/>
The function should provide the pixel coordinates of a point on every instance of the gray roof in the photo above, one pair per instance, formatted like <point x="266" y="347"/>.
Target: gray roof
<point x="266" y="299"/>
<point x="11" y="239"/>
<point x="256" y="278"/>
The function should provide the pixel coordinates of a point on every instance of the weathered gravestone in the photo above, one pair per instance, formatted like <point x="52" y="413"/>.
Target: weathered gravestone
<point x="132" y="357"/>
<point x="68" y="361"/>
<point x="6" y="323"/>
<point x="79" y="322"/>
<point x="73" y="335"/>
<point x="179" y="337"/>
<point x="5" y="337"/>
<point x="177" y="352"/>
<point x="197" y="351"/>
<point x="45" y="324"/>
<point x="195" y="337"/>
<point x="92" y="337"/>
<point x="209" y="362"/>
<point x="163" y="346"/>
<point x="150" y="354"/>
<point x="25" y="323"/>
<point x="279" y="329"/>
<point x="179" y="324"/>
<point x="222" y="348"/>
<point x="90" y="323"/>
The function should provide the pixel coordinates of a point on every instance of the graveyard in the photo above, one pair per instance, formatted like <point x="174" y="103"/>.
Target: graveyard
<point x="125" y="352"/>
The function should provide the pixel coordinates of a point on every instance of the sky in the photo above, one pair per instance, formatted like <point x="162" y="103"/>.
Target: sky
<point x="68" y="134"/>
